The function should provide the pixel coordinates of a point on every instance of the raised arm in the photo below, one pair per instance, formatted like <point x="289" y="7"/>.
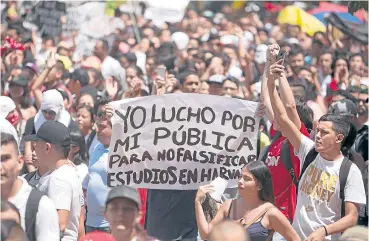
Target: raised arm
<point x="264" y="95"/>
<point x="288" y="100"/>
<point x="202" y="224"/>
<point x="287" y="127"/>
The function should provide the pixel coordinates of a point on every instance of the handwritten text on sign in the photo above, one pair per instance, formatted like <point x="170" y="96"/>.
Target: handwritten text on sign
<point x="181" y="141"/>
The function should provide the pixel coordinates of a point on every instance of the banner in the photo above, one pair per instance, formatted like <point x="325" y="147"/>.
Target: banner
<point x="181" y="141"/>
<point x="166" y="11"/>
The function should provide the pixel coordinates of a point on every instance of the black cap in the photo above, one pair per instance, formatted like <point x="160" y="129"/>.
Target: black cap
<point x="19" y="80"/>
<point x="123" y="191"/>
<point x="52" y="132"/>
<point x="344" y="107"/>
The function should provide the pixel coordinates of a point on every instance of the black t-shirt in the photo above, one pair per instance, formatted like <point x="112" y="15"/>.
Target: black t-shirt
<point x="30" y="126"/>
<point x="170" y="214"/>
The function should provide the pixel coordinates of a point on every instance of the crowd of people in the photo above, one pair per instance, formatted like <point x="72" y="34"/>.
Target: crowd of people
<point x="309" y="181"/>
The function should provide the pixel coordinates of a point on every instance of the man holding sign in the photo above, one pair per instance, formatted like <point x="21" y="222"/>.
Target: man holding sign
<point x="176" y="143"/>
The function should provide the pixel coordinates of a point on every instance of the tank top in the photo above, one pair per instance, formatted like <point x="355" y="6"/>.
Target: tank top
<point x="256" y="231"/>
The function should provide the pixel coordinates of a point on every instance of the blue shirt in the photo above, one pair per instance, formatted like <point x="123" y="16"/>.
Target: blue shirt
<point x="97" y="189"/>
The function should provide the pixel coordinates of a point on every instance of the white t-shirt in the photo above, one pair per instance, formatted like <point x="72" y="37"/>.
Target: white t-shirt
<point x="318" y="200"/>
<point x="64" y="188"/>
<point x="47" y="220"/>
<point x="82" y="171"/>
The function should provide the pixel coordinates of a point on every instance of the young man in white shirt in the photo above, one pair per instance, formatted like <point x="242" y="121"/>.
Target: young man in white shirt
<point x="318" y="212"/>
<point x="61" y="184"/>
<point x="16" y="190"/>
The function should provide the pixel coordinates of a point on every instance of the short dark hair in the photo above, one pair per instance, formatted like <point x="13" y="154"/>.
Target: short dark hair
<point x="295" y="51"/>
<point x="304" y="68"/>
<point x="81" y="75"/>
<point x="233" y="80"/>
<point x="341" y="123"/>
<point x="356" y="54"/>
<point x="101" y="102"/>
<point x="183" y="76"/>
<point x="7" y="139"/>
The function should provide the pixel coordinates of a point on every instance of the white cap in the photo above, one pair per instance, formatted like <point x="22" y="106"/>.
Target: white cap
<point x="180" y="39"/>
<point x="293" y="41"/>
<point x="261" y="53"/>
<point x="229" y="39"/>
<point x="7" y="105"/>
<point x="52" y="100"/>
<point x="217" y="79"/>
<point x="8" y="128"/>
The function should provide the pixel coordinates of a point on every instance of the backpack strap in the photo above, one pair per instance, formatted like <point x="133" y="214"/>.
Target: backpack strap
<point x="264" y="153"/>
<point x="258" y="144"/>
<point x="310" y="157"/>
<point x="287" y="161"/>
<point x="343" y="174"/>
<point x="30" y="175"/>
<point x="31" y="212"/>
<point x="90" y="139"/>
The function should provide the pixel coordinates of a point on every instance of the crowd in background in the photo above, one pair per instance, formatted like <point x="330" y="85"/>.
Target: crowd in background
<point x="56" y="129"/>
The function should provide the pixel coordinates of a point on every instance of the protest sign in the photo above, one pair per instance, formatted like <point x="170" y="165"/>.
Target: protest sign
<point x="165" y="10"/>
<point x="181" y="141"/>
<point x="46" y="16"/>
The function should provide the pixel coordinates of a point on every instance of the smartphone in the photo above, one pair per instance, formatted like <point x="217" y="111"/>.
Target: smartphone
<point x="162" y="72"/>
<point x="282" y="55"/>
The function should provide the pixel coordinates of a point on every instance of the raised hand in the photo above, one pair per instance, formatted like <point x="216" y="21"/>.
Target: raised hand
<point x="111" y="87"/>
<point x="272" y="52"/>
<point x="202" y="191"/>
<point x="51" y="60"/>
<point x="277" y="69"/>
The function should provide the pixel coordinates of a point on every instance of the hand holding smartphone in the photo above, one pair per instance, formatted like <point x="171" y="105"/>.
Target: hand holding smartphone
<point x="282" y="55"/>
<point x="162" y="72"/>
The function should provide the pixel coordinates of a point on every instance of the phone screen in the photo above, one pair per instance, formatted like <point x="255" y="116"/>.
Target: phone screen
<point x="282" y="55"/>
<point x="161" y="71"/>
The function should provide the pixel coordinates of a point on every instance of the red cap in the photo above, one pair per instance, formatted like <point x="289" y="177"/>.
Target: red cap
<point x="97" y="236"/>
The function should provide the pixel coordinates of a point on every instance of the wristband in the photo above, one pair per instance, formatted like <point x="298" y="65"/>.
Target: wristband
<point x="326" y="231"/>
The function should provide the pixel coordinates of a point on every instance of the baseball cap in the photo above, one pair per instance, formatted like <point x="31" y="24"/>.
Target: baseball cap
<point x="52" y="132"/>
<point x="32" y="66"/>
<point x="7" y="105"/>
<point x="216" y="79"/>
<point x="123" y="191"/>
<point x="357" y="233"/>
<point x="97" y="236"/>
<point x="19" y="80"/>
<point x="344" y="107"/>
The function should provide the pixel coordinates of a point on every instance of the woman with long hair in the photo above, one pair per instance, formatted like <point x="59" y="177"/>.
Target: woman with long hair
<point x="78" y="154"/>
<point x="261" y="218"/>
<point x="85" y="120"/>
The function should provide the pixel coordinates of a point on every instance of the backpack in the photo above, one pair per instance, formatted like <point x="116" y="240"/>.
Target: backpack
<point x="284" y="156"/>
<point x="31" y="212"/>
<point x="343" y="174"/>
<point x="361" y="142"/>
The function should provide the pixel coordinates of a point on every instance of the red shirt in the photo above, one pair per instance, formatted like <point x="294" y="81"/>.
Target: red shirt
<point x="143" y="197"/>
<point x="283" y="187"/>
